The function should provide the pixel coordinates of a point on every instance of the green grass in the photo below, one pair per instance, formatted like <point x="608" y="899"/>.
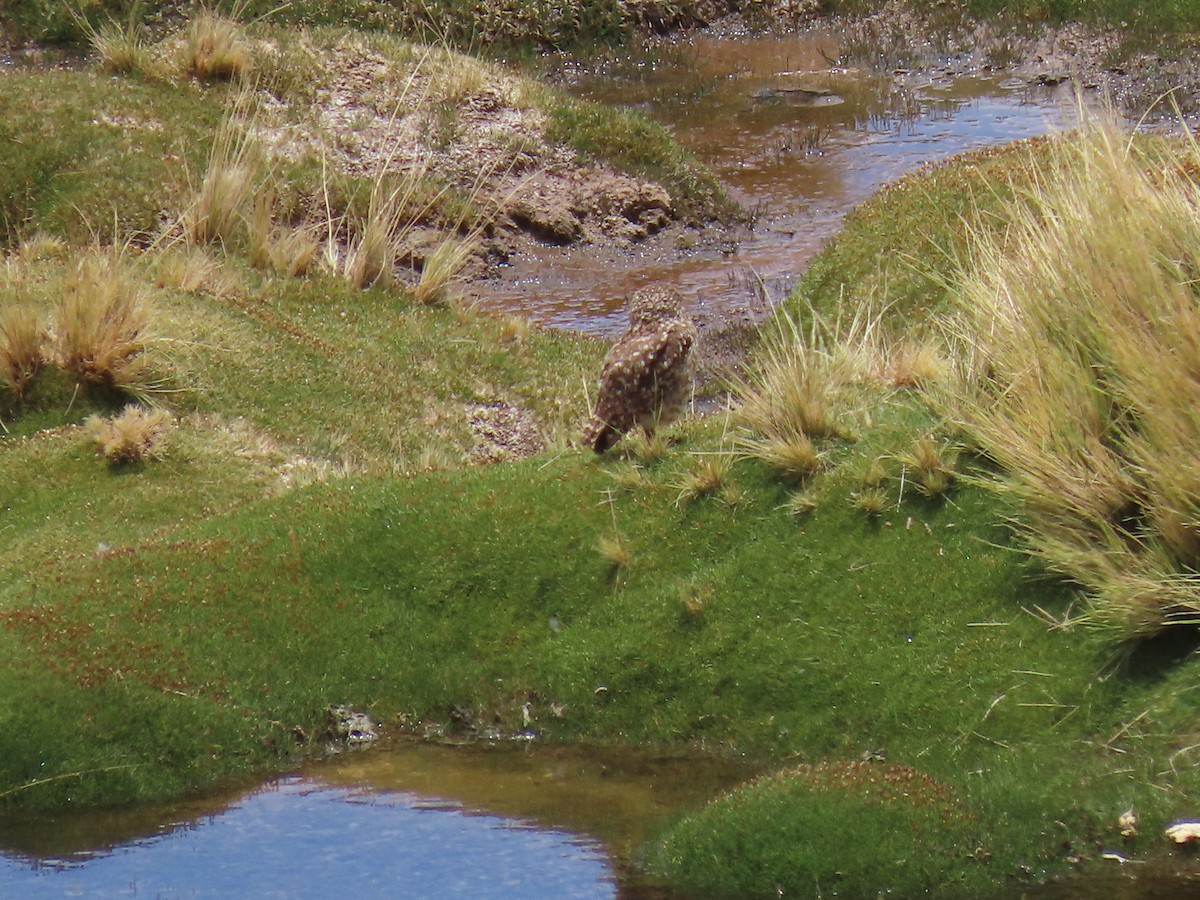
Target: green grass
<point x="84" y="153"/>
<point x="462" y="23"/>
<point x="905" y="275"/>
<point x="1173" y="18"/>
<point x="221" y="625"/>
<point x="632" y="143"/>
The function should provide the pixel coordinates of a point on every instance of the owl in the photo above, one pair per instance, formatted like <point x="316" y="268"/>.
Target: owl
<point x="646" y="376"/>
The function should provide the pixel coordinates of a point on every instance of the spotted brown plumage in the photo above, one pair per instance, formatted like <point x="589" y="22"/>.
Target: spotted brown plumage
<point x="646" y="376"/>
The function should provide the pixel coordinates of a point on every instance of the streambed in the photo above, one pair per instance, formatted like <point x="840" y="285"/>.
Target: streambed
<point x="796" y="137"/>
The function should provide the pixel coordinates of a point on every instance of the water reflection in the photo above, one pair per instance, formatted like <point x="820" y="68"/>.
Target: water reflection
<point x="417" y="820"/>
<point x="752" y="109"/>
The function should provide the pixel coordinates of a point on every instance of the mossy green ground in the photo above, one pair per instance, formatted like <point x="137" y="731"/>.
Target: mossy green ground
<point x="171" y="624"/>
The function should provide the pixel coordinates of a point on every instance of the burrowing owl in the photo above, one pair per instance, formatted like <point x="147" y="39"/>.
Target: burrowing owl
<point x="647" y="374"/>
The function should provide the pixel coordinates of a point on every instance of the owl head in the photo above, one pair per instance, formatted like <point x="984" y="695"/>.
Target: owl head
<point x="651" y="306"/>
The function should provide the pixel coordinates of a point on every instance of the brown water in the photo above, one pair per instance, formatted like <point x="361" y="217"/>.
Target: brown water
<point x="825" y="142"/>
<point x="514" y="821"/>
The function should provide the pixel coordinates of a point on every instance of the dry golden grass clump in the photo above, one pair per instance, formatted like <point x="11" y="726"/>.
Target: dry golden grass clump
<point x="216" y="47"/>
<point x="293" y="252"/>
<point x="616" y="552"/>
<point x="22" y="352"/>
<point x="102" y="325"/>
<point x="930" y="466"/>
<point x="913" y="363"/>
<point x="441" y="268"/>
<point x="219" y="211"/>
<point x="802" y="388"/>
<point x="707" y="477"/>
<point x="137" y="434"/>
<point x="801" y="504"/>
<point x="871" y="502"/>
<point x="1083" y="384"/>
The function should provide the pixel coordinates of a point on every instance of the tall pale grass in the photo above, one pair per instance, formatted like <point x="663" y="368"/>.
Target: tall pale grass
<point x="220" y="207"/>
<point x="441" y="267"/>
<point x="135" y="435"/>
<point x="216" y="47"/>
<point x="803" y="386"/>
<point x="21" y="350"/>
<point x="102" y="326"/>
<point x="289" y="251"/>
<point x="122" y="48"/>
<point x="1081" y="325"/>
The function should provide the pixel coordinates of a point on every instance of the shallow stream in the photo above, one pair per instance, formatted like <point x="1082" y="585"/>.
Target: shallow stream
<point x="797" y="138"/>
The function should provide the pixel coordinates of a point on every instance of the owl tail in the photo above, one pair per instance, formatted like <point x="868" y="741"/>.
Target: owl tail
<point x="599" y="435"/>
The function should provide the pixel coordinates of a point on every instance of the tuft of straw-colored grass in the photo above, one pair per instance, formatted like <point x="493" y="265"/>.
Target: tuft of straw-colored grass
<point x="219" y="211"/>
<point x="216" y="47"/>
<point x="616" y="552"/>
<point x="41" y="246"/>
<point x="913" y="363"/>
<point x="441" y="267"/>
<point x="630" y="479"/>
<point x="708" y="476"/>
<point x="22" y="353"/>
<point x="793" y="457"/>
<point x="871" y="502"/>
<point x="392" y="210"/>
<point x="1081" y="325"/>
<point x="874" y="474"/>
<point x="123" y="49"/>
<point x="192" y="270"/>
<point x="695" y="597"/>
<point x="801" y="504"/>
<point x="515" y="330"/>
<point x="372" y="256"/>
<point x="102" y="325"/>
<point x="646" y="449"/>
<point x="293" y="252"/>
<point x="931" y="466"/>
<point x="135" y="435"/>
<point x="802" y="387"/>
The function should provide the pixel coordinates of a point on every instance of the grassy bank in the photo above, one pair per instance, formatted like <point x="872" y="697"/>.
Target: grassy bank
<point x="1044" y="309"/>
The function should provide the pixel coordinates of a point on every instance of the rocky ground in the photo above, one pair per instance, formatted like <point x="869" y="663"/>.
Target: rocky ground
<point x="1137" y="78"/>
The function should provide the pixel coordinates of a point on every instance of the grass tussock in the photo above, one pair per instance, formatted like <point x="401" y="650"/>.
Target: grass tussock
<point x="137" y="434"/>
<point x="915" y="363"/>
<point x="707" y="477"/>
<point x="286" y="251"/>
<point x="101" y="330"/>
<point x="871" y="502"/>
<point x="930" y="466"/>
<point x="1082" y="326"/>
<point x="123" y="48"/>
<point x="441" y="267"/>
<point x="219" y="211"/>
<point x="614" y="549"/>
<point x="22" y="336"/>
<point x="216" y="47"/>
<point x="804" y="388"/>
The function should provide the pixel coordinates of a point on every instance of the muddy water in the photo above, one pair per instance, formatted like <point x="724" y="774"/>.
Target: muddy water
<point x="411" y="820"/>
<point x="795" y="137"/>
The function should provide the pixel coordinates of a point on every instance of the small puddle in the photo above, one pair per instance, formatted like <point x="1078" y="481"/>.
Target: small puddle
<point x="416" y="818"/>
<point x="793" y="136"/>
